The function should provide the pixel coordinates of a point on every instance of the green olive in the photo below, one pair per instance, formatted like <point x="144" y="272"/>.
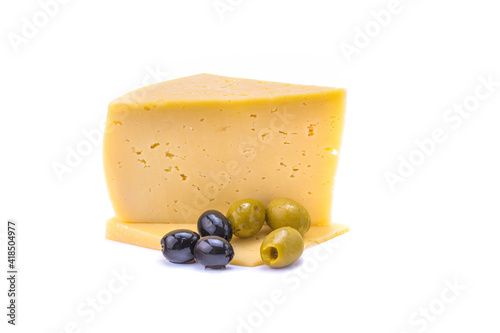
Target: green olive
<point x="247" y="217"/>
<point x="282" y="247"/>
<point x="283" y="212"/>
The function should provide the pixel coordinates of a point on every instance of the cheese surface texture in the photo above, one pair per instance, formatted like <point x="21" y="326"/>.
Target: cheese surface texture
<point x="175" y="149"/>
<point x="246" y="250"/>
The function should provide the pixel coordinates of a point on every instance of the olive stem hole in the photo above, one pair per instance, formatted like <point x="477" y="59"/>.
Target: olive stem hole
<point x="273" y="253"/>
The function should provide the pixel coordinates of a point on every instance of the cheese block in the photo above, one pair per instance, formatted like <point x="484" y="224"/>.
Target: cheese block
<point x="246" y="251"/>
<point x="175" y="149"/>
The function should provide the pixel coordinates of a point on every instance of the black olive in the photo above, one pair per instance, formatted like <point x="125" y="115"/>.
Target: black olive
<point x="214" y="223"/>
<point x="178" y="245"/>
<point x="213" y="252"/>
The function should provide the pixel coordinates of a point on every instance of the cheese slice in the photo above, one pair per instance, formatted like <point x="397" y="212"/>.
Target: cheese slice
<point x="175" y="149"/>
<point x="246" y="250"/>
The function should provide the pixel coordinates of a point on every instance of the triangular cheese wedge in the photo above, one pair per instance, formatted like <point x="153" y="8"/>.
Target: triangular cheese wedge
<point x="175" y="149"/>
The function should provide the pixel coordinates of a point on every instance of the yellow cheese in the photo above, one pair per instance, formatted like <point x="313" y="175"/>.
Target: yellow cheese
<point x="246" y="251"/>
<point x="175" y="149"/>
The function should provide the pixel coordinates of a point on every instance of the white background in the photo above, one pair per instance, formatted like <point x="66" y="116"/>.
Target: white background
<point x="441" y="224"/>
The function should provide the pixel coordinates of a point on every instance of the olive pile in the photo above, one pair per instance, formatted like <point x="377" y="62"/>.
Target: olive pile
<point x="211" y="248"/>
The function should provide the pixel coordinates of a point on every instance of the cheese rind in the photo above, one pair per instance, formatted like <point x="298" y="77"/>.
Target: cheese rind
<point x="177" y="148"/>
<point x="247" y="250"/>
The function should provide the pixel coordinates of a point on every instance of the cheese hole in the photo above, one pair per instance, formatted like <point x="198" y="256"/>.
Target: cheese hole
<point x="154" y="145"/>
<point x="143" y="162"/>
<point x="183" y="176"/>
<point x="311" y="130"/>
<point x="146" y="108"/>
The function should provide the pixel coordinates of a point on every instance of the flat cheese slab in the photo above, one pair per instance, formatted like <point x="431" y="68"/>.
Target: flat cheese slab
<point x="247" y="251"/>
